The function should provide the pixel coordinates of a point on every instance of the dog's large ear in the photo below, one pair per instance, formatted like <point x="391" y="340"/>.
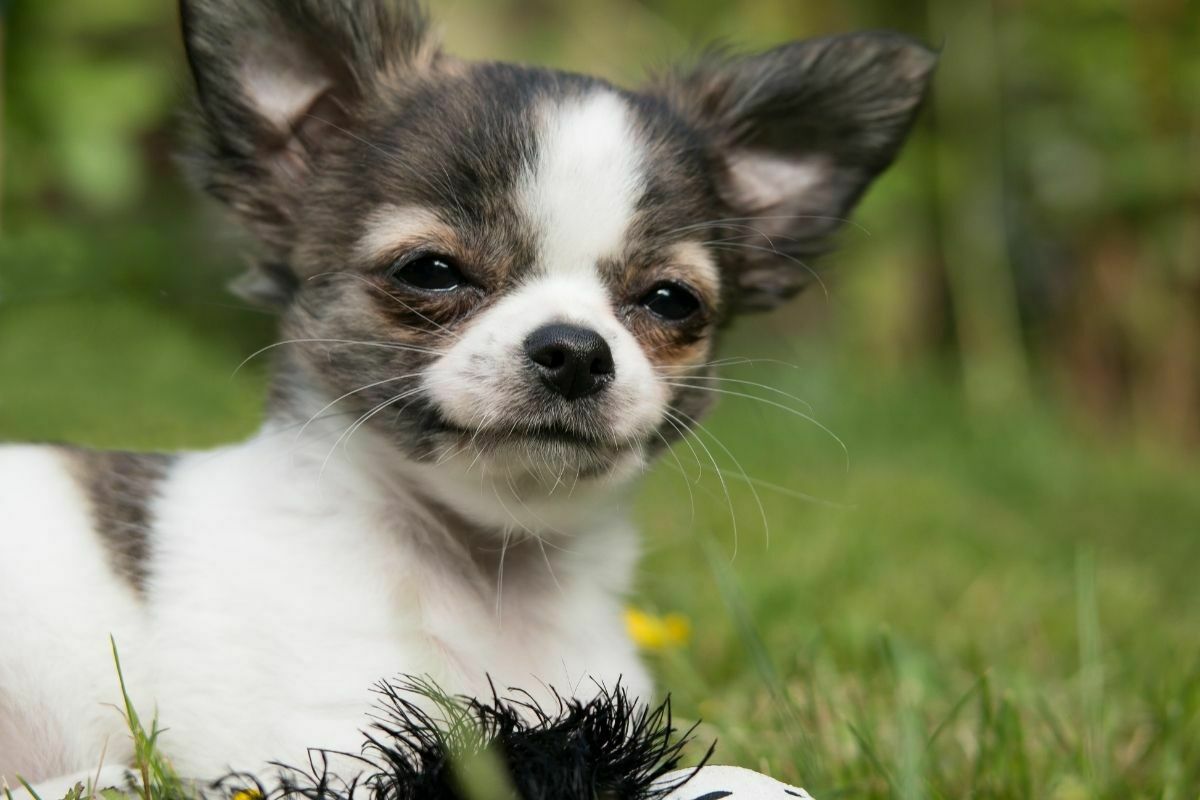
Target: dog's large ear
<point x="277" y="80"/>
<point x="800" y="132"/>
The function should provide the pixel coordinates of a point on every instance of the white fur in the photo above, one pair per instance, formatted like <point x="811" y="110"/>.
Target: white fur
<point x="581" y="193"/>
<point x="59" y="601"/>
<point x="471" y="381"/>
<point x="282" y="589"/>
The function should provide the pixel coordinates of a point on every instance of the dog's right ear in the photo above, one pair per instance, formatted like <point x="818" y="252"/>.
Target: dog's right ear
<point x="277" y="81"/>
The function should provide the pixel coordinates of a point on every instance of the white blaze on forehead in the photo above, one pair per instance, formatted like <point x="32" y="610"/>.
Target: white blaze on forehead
<point x="585" y="183"/>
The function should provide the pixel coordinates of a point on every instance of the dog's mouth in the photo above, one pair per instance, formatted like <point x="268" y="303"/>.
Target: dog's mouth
<point x="521" y="434"/>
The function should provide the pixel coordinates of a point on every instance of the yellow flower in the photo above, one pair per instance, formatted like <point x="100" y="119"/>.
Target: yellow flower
<point x="652" y="632"/>
<point x="247" y="794"/>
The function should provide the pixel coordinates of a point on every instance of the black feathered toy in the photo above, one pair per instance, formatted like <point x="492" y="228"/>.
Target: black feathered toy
<point x="606" y="748"/>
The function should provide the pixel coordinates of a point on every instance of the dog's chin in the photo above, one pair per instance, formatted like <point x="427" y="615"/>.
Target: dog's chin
<point x="562" y="451"/>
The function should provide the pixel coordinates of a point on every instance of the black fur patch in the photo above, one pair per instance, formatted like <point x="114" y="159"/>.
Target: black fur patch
<point x="609" y="748"/>
<point x="122" y="488"/>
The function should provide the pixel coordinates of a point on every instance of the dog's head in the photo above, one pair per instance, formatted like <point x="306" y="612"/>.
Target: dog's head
<point x="516" y="270"/>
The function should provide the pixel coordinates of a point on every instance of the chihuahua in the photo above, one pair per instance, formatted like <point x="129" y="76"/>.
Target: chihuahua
<point x="500" y="289"/>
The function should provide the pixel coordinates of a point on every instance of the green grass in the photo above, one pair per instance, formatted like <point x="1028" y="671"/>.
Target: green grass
<point x="987" y="608"/>
<point x="975" y="607"/>
<point x="153" y="776"/>
<point x="156" y="778"/>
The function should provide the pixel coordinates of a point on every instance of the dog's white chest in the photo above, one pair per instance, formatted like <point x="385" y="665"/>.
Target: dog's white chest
<point x="271" y="625"/>
<point x="273" y="604"/>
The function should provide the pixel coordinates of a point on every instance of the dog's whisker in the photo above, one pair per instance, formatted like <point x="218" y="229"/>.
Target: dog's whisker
<point x="533" y="514"/>
<point x="447" y="452"/>
<point x="360" y="343"/>
<point x="486" y="419"/>
<point x="541" y="543"/>
<point x="670" y="412"/>
<point x="787" y="491"/>
<point x="807" y="405"/>
<point x="686" y="439"/>
<point x="807" y="417"/>
<point x="683" y="474"/>
<point x="558" y="480"/>
<point x="731" y="361"/>
<point x="774" y="218"/>
<point x="500" y="563"/>
<point x="351" y="393"/>
<point x="787" y="256"/>
<point x="753" y="233"/>
<point x="353" y="426"/>
<point x="757" y="499"/>
<point x="575" y="483"/>
<point x="362" y="420"/>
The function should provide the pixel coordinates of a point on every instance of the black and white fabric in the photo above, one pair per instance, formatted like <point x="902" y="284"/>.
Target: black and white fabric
<point x="728" y="783"/>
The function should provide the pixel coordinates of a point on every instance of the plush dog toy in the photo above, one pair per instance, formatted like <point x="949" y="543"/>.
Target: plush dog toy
<point x="608" y="748"/>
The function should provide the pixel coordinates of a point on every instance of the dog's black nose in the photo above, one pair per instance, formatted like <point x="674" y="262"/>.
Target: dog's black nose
<point x="573" y="361"/>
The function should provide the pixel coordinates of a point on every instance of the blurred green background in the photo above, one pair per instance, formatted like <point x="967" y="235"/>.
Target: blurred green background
<point x="998" y="596"/>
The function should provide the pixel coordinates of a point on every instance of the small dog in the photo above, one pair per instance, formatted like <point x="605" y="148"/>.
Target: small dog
<point x="500" y="289"/>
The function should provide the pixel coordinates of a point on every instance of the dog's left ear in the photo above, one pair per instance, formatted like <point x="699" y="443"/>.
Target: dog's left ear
<point x="800" y="132"/>
<point x="277" y="82"/>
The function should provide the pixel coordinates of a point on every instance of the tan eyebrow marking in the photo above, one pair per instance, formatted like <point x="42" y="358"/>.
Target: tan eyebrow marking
<point x="391" y="227"/>
<point x="703" y="268"/>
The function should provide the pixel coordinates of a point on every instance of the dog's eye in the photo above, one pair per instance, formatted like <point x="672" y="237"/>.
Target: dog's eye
<point x="431" y="272"/>
<point x="671" y="301"/>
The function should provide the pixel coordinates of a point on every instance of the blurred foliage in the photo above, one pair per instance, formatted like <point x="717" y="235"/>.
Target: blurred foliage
<point x="1041" y="235"/>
